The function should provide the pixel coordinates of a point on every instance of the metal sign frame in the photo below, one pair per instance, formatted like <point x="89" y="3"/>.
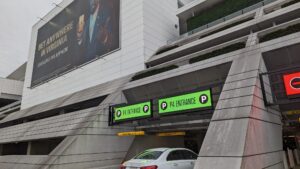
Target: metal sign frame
<point x="111" y="118"/>
<point x="112" y="122"/>
<point x="187" y="110"/>
<point x="275" y="101"/>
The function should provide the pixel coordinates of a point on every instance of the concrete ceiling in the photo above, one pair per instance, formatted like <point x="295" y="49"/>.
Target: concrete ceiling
<point x="283" y="58"/>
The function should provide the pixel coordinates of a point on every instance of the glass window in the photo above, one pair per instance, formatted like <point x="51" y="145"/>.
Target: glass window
<point x="175" y="155"/>
<point x="188" y="155"/>
<point x="149" y="155"/>
<point x="181" y="155"/>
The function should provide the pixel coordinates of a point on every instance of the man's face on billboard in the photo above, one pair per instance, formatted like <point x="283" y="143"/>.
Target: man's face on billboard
<point x="93" y="5"/>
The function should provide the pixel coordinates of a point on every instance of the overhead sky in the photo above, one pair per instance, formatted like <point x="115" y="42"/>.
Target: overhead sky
<point x="16" y="20"/>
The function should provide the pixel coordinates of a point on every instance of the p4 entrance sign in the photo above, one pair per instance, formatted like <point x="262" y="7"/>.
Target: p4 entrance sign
<point x="131" y="112"/>
<point x="186" y="102"/>
<point x="292" y="84"/>
<point x="196" y="101"/>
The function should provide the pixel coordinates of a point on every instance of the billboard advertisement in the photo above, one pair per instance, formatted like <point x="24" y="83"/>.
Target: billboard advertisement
<point x="82" y="32"/>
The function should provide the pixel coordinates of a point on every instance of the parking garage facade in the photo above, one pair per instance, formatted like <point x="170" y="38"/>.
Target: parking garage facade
<point x="228" y="89"/>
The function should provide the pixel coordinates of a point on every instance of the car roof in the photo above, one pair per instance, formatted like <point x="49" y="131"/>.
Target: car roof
<point x="158" y="149"/>
<point x="165" y="149"/>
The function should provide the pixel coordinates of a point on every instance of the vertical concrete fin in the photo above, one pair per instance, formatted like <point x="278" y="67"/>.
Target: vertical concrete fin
<point x="241" y="134"/>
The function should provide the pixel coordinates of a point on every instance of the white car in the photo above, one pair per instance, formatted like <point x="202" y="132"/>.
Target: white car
<point x="162" y="158"/>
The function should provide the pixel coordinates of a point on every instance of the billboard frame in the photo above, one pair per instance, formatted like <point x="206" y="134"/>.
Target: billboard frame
<point x="57" y="75"/>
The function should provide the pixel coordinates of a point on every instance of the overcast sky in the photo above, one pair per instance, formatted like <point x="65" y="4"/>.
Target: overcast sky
<point x="16" y="20"/>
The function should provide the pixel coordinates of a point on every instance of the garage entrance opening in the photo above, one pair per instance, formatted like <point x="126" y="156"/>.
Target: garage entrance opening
<point x="181" y="103"/>
<point x="191" y="139"/>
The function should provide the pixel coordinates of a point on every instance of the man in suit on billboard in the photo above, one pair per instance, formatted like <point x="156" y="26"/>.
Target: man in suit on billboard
<point x="99" y="35"/>
<point x="95" y="32"/>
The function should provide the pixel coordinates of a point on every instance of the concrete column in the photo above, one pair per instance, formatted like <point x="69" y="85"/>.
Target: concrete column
<point x="29" y="148"/>
<point x="291" y="158"/>
<point x="61" y="112"/>
<point x="243" y="133"/>
<point x="1" y="149"/>
<point x="296" y="154"/>
<point x="285" y="162"/>
<point x="259" y="13"/>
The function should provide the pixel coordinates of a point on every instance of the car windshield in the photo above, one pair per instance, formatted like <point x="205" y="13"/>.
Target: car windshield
<point x="149" y="155"/>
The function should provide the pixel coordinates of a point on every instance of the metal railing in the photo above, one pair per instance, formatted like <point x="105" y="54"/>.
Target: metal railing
<point x="224" y="19"/>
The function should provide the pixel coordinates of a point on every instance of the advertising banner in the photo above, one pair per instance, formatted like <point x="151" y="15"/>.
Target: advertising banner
<point x="132" y="112"/>
<point x="191" y="101"/>
<point x="84" y="31"/>
<point x="292" y="84"/>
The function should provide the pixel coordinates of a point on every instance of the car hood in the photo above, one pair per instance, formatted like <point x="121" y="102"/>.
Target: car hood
<point x="138" y="163"/>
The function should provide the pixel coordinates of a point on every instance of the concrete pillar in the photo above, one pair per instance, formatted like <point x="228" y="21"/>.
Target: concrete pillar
<point x="259" y="13"/>
<point x="29" y="148"/>
<point x="291" y="158"/>
<point x="285" y="162"/>
<point x="296" y="154"/>
<point x="61" y="112"/>
<point x="1" y="149"/>
<point x="243" y="133"/>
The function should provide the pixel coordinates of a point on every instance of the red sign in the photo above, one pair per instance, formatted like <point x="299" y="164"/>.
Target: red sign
<point x="292" y="84"/>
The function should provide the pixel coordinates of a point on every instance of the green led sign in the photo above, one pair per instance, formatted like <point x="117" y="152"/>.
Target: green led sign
<point x="131" y="112"/>
<point x="197" y="100"/>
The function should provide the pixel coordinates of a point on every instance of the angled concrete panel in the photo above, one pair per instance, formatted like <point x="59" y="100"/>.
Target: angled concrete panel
<point x="218" y="163"/>
<point x="225" y="139"/>
<point x="242" y="126"/>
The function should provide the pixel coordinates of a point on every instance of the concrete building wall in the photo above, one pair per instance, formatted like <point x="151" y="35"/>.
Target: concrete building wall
<point x="18" y="74"/>
<point x="11" y="87"/>
<point x="159" y="24"/>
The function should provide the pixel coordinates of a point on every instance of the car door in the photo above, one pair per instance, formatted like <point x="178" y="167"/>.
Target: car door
<point x="174" y="160"/>
<point x="189" y="159"/>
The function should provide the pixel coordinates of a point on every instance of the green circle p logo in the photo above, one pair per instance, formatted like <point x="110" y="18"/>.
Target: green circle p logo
<point x="119" y="113"/>
<point x="146" y="108"/>
<point x="164" y="105"/>
<point x="203" y="99"/>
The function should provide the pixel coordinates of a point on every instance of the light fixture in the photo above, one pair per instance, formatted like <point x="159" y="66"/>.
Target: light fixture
<point x="131" y="133"/>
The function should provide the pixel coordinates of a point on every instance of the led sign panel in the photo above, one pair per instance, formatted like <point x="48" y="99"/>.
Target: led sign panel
<point x="292" y="84"/>
<point x="132" y="112"/>
<point x="191" y="101"/>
